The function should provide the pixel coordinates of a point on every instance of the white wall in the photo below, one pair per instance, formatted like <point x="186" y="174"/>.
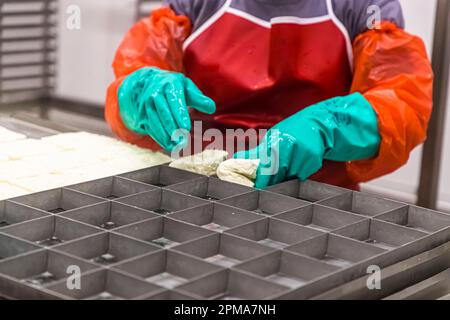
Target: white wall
<point x="85" y="55"/>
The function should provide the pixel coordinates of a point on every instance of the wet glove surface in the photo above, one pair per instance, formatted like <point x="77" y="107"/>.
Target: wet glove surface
<point x="155" y="102"/>
<point x="339" y="129"/>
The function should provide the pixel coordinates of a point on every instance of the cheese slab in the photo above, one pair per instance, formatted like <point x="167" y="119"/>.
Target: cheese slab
<point x="205" y="163"/>
<point x="240" y="171"/>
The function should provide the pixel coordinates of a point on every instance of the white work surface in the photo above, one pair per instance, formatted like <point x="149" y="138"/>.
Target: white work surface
<point x="33" y="165"/>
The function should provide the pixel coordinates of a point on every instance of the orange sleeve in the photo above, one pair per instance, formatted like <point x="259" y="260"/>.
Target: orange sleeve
<point x="393" y="72"/>
<point x="154" y="41"/>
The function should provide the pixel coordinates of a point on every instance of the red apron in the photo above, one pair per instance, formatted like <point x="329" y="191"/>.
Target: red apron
<point x="261" y="73"/>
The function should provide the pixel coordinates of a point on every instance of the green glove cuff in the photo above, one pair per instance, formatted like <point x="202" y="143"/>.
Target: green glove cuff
<point x="348" y="126"/>
<point x="339" y="129"/>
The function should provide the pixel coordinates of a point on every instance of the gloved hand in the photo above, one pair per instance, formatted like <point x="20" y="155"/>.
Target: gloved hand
<point x="155" y="102"/>
<point x="339" y="129"/>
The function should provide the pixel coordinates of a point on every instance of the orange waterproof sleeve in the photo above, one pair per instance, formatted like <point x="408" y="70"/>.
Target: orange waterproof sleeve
<point x="154" y="41"/>
<point x="393" y="72"/>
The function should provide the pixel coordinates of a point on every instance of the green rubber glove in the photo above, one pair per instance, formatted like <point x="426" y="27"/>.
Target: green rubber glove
<point x="155" y="102"/>
<point x="339" y="129"/>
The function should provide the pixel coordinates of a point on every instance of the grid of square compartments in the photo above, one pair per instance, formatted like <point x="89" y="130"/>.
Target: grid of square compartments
<point x="163" y="233"/>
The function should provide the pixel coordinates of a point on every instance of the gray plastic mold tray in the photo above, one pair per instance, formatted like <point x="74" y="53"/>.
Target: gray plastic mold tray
<point x="320" y="217"/>
<point x="417" y="218"/>
<point x="112" y="187"/>
<point x="162" y="201"/>
<point x="215" y="216"/>
<point x="57" y="200"/>
<point x="109" y="215"/>
<point x="232" y="285"/>
<point x="170" y="295"/>
<point x="211" y="188"/>
<point x="37" y="270"/>
<point x="106" y="284"/>
<point x="307" y="190"/>
<point x="361" y="203"/>
<point x="161" y="176"/>
<point x="106" y="248"/>
<point x="286" y="268"/>
<point x="264" y="203"/>
<point x="12" y="213"/>
<point x="336" y="250"/>
<point x="163" y="233"/>
<point x="50" y="231"/>
<point x="274" y="233"/>
<point x="223" y="250"/>
<point x="12" y="247"/>
<point x="166" y="268"/>
<point x="380" y="234"/>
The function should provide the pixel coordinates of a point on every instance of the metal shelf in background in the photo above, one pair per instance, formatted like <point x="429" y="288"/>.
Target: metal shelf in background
<point x="432" y="152"/>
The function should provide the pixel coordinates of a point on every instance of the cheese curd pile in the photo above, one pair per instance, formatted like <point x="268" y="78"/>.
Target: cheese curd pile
<point x="33" y="165"/>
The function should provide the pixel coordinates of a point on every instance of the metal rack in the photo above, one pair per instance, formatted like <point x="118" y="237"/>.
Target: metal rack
<point x="32" y="77"/>
<point x="27" y="49"/>
<point x="163" y="233"/>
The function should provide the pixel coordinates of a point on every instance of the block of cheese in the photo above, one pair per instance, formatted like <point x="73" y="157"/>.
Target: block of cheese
<point x="7" y="135"/>
<point x="136" y="162"/>
<point x="66" y="159"/>
<point x="8" y="191"/>
<point x="79" y="140"/>
<point x="205" y="163"/>
<point x="240" y="171"/>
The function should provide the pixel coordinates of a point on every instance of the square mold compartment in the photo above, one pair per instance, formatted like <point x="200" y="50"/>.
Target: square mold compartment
<point x="264" y="203"/>
<point x="311" y="191"/>
<point x="161" y="176"/>
<point x="11" y="247"/>
<point x="170" y="295"/>
<point x="336" y="250"/>
<point x="232" y="285"/>
<point x="417" y="218"/>
<point x="166" y="268"/>
<point x="106" y="248"/>
<point x="112" y="187"/>
<point x="163" y="232"/>
<point x="50" y="231"/>
<point x="58" y="200"/>
<point x="287" y="269"/>
<point x="210" y="188"/>
<point x="41" y="268"/>
<point x="12" y="213"/>
<point x="106" y="285"/>
<point x="109" y="215"/>
<point x="362" y="204"/>
<point x="320" y="217"/>
<point x="381" y="234"/>
<point x="223" y="250"/>
<point x="216" y="217"/>
<point x="162" y="201"/>
<point x="274" y="233"/>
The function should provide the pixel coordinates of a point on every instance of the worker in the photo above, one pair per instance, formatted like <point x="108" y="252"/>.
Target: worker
<point x="344" y="90"/>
